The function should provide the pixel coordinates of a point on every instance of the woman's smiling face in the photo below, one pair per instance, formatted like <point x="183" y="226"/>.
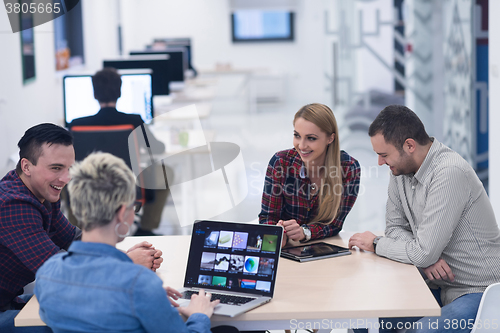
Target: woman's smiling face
<point x="310" y="141"/>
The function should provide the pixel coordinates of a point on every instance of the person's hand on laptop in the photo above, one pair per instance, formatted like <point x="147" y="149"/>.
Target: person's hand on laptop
<point x="199" y="304"/>
<point x="293" y="230"/>
<point x="173" y="295"/>
<point x="146" y="255"/>
<point x="284" y="240"/>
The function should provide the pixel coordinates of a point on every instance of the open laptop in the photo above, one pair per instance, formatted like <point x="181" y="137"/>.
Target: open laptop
<point x="236" y="262"/>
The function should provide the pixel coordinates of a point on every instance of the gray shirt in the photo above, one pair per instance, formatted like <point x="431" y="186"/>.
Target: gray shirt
<point x="443" y="211"/>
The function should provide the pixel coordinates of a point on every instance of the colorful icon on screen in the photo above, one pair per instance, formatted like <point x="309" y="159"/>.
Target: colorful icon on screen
<point x="251" y="264"/>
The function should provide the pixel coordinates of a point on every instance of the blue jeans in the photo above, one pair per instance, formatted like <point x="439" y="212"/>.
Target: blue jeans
<point x="455" y="317"/>
<point x="7" y="322"/>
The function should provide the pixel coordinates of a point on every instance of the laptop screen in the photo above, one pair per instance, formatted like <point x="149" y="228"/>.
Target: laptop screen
<point x="234" y="257"/>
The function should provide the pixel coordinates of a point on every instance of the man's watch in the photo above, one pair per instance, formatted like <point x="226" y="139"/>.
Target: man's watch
<point x="375" y="242"/>
<point x="307" y="232"/>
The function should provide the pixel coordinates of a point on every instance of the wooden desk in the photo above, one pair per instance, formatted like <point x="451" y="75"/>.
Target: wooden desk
<point x="359" y="286"/>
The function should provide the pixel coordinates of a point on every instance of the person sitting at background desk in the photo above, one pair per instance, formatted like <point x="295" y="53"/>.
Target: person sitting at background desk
<point x="310" y="189"/>
<point x="439" y="218"/>
<point x="94" y="287"/>
<point x="32" y="226"/>
<point x="107" y="89"/>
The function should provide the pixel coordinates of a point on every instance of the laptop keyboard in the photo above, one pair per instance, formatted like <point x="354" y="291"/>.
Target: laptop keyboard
<point x="224" y="299"/>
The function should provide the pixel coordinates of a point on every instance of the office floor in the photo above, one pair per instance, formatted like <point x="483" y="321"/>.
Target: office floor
<point x="260" y="134"/>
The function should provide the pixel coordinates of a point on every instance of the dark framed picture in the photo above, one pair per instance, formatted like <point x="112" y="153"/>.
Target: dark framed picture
<point x="68" y="37"/>
<point x="27" y="46"/>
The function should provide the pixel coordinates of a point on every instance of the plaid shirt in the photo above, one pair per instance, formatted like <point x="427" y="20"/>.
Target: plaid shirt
<point x="30" y="233"/>
<point x="287" y="193"/>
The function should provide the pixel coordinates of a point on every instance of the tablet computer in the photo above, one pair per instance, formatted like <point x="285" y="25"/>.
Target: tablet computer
<point x="314" y="251"/>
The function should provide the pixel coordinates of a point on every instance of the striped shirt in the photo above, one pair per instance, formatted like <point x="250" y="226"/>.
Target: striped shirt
<point x="443" y="211"/>
<point x="287" y="193"/>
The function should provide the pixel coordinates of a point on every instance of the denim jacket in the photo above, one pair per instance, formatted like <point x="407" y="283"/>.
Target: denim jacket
<point x="96" y="288"/>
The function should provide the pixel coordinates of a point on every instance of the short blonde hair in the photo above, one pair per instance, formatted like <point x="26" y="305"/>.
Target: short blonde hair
<point x="100" y="184"/>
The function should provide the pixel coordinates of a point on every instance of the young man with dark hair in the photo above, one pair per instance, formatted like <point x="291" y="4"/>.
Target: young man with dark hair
<point x="30" y="145"/>
<point x="32" y="226"/>
<point x="107" y="84"/>
<point x="398" y="123"/>
<point x="107" y="89"/>
<point x="438" y="218"/>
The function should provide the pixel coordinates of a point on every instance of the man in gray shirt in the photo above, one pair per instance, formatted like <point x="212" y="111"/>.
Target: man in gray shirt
<point x="438" y="218"/>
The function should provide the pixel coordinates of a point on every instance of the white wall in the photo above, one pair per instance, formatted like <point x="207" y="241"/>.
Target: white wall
<point x="21" y="105"/>
<point x="100" y="19"/>
<point x="494" y="106"/>
<point x="208" y="24"/>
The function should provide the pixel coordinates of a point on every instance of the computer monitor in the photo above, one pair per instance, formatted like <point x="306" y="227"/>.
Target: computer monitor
<point x="136" y="95"/>
<point x="175" y="42"/>
<point x="178" y="62"/>
<point x="159" y="63"/>
<point x="262" y="25"/>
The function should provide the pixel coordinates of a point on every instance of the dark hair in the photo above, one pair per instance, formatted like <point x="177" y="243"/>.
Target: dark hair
<point x="107" y="84"/>
<point x="30" y="145"/>
<point x="398" y="123"/>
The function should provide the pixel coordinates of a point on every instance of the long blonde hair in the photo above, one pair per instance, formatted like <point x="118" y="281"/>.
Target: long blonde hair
<point x="329" y="201"/>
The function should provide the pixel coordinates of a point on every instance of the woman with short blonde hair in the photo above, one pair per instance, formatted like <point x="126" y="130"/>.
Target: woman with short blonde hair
<point x="95" y="287"/>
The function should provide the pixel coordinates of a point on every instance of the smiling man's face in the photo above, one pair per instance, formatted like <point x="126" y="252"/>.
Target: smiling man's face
<point x="400" y="162"/>
<point x="47" y="178"/>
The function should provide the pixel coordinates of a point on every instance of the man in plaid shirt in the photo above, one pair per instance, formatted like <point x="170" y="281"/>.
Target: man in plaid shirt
<point x="32" y="226"/>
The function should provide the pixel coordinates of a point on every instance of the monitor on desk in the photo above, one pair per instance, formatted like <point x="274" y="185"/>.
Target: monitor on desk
<point x="178" y="61"/>
<point x="163" y="43"/>
<point x="158" y="63"/>
<point x="136" y="95"/>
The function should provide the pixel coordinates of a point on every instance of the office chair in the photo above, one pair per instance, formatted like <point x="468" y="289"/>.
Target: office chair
<point x="488" y="314"/>
<point x="109" y="139"/>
